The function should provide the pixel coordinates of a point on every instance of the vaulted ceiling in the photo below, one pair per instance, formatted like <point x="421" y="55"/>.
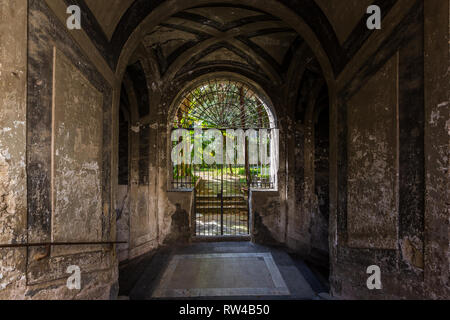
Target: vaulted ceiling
<point x="109" y="13"/>
<point x="229" y="33"/>
<point x="222" y="35"/>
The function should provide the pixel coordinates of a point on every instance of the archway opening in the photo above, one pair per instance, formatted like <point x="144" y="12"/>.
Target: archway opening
<point x="225" y="142"/>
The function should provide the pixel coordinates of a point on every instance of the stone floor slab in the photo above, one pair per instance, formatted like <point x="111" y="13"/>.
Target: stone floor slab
<point x="221" y="275"/>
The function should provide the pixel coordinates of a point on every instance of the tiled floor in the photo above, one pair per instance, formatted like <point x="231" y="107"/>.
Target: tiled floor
<point x="221" y="275"/>
<point x="225" y="270"/>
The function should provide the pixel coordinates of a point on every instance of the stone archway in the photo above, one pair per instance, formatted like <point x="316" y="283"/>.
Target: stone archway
<point x="232" y="111"/>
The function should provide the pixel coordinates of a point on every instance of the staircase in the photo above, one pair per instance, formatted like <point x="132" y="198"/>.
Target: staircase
<point x="207" y="204"/>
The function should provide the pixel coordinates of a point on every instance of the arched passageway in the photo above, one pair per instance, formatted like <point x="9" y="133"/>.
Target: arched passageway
<point x="356" y="178"/>
<point x="224" y="143"/>
<point x="230" y="66"/>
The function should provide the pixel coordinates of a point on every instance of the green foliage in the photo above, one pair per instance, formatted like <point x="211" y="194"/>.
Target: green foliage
<point x="222" y="104"/>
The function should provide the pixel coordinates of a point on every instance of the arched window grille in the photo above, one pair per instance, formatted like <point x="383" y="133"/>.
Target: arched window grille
<point x="227" y="105"/>
<point x="222" y="104"/>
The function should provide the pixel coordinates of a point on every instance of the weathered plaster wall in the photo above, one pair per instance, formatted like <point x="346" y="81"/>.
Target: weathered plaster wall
<point x="265" y="211"/>
<point x="180" y="226"/>
<point x="156" y="214"/>
<point x="394" y="75"/>
<point x="321" y="214"/>
<point x="77" y="125"/>
<point x="13" y="192"/>
<point x="123" y="222"/>
<point x="69" y="120"/>
<point x="437" y="130"/>
<point x="372" y="161"/>
<point x="307" y="161"/>
<point x="298" y="233"/>
<point x="137" y="224"/>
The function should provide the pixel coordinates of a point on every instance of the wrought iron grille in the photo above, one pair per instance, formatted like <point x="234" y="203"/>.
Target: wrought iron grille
<point x="222" y="190"/>
<point x="222" y="104"/>
<point x="257" y="176"/>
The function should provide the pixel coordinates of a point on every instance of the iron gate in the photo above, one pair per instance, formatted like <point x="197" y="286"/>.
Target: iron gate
<point x="221" y="201"/>
<point x="221" y="206"/>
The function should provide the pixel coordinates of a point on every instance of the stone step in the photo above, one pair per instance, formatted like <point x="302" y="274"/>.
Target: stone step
<point x="219" y="202"/>
<point x="225" y="206"/>
<point x="214" y="196"/>
<point x="217" y="209"/>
